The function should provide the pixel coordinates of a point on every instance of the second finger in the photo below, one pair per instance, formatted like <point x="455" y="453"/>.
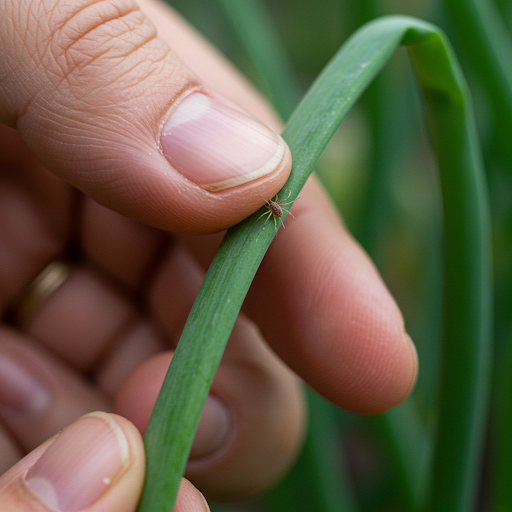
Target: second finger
<point x="252" y="424"/>
<point x="343" y="332"/>
<point x="39" y="395"/>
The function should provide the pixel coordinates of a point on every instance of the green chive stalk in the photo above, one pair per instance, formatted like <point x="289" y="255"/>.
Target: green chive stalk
<point x="463" y="398"/>
<point x="485" y="42"/>
<point x="252" y="27"/>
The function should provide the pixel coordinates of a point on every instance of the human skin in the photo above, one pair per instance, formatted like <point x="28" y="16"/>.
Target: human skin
<point x="82" y="160"/>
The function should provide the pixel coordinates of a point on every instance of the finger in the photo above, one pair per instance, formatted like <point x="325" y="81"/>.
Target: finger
<point x="268" y="420"/>
<point x="343" y="333"/>
<point x="251" y="391"/>
<point x="252" y="423"/>
<point x="207" y="62"/>
<point x="360" y="327"/>
<point x="39" y="395"/>
<point x="173" y="290"/>
<point x="91" y="325"/>
<point x="111" y="109"/>
<point x="89" y="320"/>
<point x="34" y="216"/>
<point x="81" y="318"/>
<point x="124" y="250"/>
<point x="10" y="450"/>
<point x="137" y="344"/>
<point x="97" y="464"/>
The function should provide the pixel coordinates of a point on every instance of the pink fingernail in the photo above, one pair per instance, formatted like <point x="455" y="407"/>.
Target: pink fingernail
<point x="218" y="147"/>
<point x="213" y="429"/>
<point x="80" y="465"/>
<point x="21" y="394"/>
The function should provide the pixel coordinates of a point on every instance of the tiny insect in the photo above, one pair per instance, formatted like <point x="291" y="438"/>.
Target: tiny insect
<point x="276" y="208"/>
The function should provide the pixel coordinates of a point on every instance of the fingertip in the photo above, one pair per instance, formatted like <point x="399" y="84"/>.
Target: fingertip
<point x="208" y="169"/>
<point x="413" y="367"/>
<point x="96" y="463"/>
<point x="374" y="359"/>
<point x="344" y="332"/>
<point x="388" y="383"/>
<point x="190" y="499"/>
<point x="204" y="211"/>
<point x="362" y="372"/>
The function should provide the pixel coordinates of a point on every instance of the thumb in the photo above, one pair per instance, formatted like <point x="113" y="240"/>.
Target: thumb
<point x="106" y="105"/>
<point x="97" y="464"/>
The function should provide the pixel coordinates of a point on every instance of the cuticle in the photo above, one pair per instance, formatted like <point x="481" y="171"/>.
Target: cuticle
<point x="189" y="89"/>
<point x="212" y="458"/>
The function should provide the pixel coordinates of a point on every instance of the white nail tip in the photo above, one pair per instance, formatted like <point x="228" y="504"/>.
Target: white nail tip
<point x="42" y="487"/>
<point x="268" y="168"/>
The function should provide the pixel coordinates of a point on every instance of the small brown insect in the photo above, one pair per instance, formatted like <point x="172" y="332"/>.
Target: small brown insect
<point x="276" y="208"/>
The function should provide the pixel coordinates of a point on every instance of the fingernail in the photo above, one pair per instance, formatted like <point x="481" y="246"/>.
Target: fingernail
<point x="80" y="465"/>
<point x="414" y="357"/>
<point x="212" y="430"/>
<point x="205" y="503"/>
<point x="218" y="147"/>
<point x="21" y="393"/>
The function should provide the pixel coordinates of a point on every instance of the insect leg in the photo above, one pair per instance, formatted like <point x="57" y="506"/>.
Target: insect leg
<point x="288" y="211"/>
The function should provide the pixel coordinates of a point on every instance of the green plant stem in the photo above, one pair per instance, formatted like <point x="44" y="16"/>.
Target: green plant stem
<point x="319" y="480"/>
<point x="487" y="46"/>
<point x="409" y="451"/>
<point x="501" y="443"/>
<point x="467" y="295"/>
<point x="255" y="31"/>
<point x="464" y="382"/>
<point x="323" y="450"/>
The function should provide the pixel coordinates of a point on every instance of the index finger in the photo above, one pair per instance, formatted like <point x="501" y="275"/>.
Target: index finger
<point x="322" y="306"/>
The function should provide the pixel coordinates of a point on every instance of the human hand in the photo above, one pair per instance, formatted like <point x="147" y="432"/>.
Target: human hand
<point x="91" y="112"/>
<point x="97" y="462"/>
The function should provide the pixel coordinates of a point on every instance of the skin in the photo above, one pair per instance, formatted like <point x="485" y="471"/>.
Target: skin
<point x="344" y="333"/>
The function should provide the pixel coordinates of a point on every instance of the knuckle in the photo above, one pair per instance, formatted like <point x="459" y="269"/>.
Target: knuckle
<point x="77" y="55"/>
<point x="83" y="34"/>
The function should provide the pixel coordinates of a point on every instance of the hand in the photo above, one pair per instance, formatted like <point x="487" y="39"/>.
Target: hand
<point x="88" y="87"/>
<point x="97" y="462"/>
